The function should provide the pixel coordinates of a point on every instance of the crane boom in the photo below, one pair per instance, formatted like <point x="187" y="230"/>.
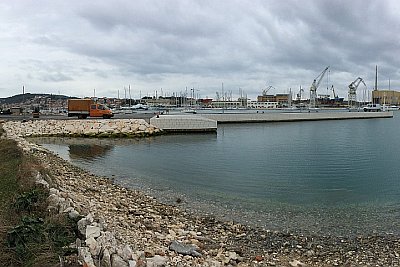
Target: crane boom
<point x="354" y="85"/>
<point x="265" y="91"/>
<point x="353" y="90"/>
<point x="314" y="87"/>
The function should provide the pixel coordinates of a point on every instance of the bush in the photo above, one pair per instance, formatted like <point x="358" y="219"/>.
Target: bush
<point x="28" y="201"/>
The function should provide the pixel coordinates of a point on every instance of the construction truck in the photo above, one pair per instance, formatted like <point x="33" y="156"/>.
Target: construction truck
<point x="83" y="108"/>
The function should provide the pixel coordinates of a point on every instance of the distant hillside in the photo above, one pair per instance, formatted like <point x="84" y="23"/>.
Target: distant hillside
<point x="20" y="98"/>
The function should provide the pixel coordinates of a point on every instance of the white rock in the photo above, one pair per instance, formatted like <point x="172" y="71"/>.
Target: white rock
<point x="82" y="223"/>
<point x="117" y="261"/>
<point x="63" y="204"/>
<point x="107" y="239"/>
<point x="106" y="259"/>
<point x="93" y="246"/>
<point x="156" y="261"/>
<point x="127" y="253"/>
<point x="41" y="181"/>
<point x="73" y="214"/>
<point x="85" y="255"/>
<point x="296" y="263"/>
<point x="90" y="218"/>
<point x="92" y="231"/>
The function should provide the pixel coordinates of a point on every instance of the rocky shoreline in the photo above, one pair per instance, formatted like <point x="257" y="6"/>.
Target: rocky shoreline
<point x="125" y="227"/>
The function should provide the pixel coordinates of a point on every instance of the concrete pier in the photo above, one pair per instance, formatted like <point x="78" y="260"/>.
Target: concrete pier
<point x="208" y="122"/>
<point x="292" y="116"/>
<point x="184" y="123"/>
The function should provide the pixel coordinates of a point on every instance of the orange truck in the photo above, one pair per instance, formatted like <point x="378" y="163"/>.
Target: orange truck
<point x="84" y="108"/>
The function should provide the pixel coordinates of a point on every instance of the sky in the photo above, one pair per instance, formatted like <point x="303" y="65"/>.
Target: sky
<point x="175" y="47"/>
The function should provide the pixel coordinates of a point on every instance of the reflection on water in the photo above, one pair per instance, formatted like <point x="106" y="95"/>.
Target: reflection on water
<point x="88" y="151"/>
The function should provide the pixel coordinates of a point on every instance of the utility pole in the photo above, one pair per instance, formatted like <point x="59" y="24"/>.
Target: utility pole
<point x="23" y="100"/>
<point x="130" y="98"/>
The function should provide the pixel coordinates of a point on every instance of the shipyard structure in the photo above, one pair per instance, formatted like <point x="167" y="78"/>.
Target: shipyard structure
<point x="386" y="97"/>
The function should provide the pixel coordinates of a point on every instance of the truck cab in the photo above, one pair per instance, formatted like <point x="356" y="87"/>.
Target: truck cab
<point x="100" y="110"/>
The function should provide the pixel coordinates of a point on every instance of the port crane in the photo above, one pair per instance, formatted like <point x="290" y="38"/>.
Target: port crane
<point x="335" y="96"/>
<point x="298" y="95"/>
<point x="353" y="90"/>
<point x="265" y="91"/>
<point x="314" y="87"/>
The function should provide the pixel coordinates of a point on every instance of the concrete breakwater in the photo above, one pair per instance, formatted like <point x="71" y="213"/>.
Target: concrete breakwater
<point x="207" y="122"/>
<point x="87" y="128"/>
<point x="184" y="123"/>
<point x="294" y="116"/>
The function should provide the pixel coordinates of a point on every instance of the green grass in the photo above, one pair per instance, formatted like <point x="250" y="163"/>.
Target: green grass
<point x="29" y="235"/>
<point x="10" y="162"/>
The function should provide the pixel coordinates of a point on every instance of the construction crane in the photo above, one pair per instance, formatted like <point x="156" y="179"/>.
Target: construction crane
<point x="217" y="96"/>
<point x="298" y="95"/>
<point x="353" y="90"/>
<point x="265" y="91"/>
<point x="333" y="92"/>
<point x="314" y="87"/>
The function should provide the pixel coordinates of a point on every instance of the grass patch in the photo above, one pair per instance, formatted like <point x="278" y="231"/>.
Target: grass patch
<point x="29" y="235"/>
<point x="10" y="162"/>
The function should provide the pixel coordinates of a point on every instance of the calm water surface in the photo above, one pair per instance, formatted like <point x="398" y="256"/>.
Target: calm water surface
<point x="329" y="177"/>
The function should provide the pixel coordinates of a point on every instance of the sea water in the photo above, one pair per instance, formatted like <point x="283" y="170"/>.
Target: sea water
<point x="325" y="177"/>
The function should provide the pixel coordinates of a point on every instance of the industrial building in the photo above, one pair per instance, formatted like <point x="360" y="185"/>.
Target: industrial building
<point x="386" y="97"/>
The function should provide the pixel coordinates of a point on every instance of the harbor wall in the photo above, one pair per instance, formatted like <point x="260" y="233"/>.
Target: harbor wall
<point x="167" y="123"/>
<point x="291" y="116"/>
<point x="182" y="123"/>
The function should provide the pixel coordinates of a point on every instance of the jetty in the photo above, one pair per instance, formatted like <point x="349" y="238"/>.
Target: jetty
<point x="207" y="122"/>
<point x="294" y="116"/>
<point x="184" y="123"/>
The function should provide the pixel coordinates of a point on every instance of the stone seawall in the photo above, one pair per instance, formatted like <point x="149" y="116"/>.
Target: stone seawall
<point x="88" y="128"/>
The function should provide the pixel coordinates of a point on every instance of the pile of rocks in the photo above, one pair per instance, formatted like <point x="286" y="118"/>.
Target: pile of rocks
<point x="89" y="128"/>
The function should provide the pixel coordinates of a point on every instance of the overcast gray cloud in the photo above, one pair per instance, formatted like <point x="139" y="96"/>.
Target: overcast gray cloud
<point x="73" y="47"/>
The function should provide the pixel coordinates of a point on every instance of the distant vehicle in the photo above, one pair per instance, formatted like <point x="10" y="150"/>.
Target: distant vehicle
<point x="83" y="108"/>
<point x="139" y="107"/>
<point x="372" y="108"/>
<point x="130" y="109"/>
<point x="390" y="108"/>
<point x="189" y="110"/>
<point x="36" y="112"/>
<point x="6" y="112"/>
